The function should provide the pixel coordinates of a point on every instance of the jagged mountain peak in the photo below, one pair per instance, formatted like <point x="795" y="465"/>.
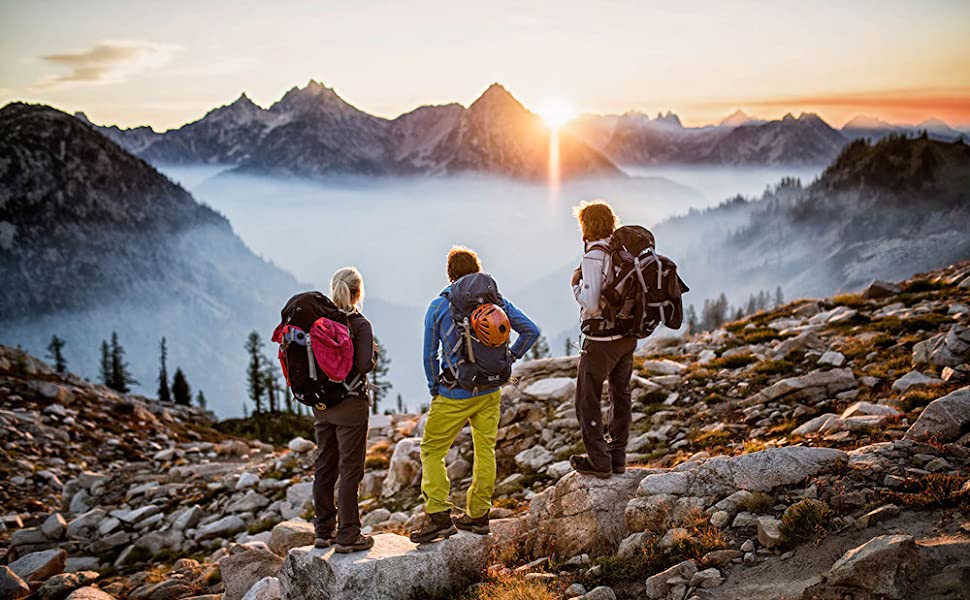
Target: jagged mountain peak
<point x="496" y="98"/>
<point x="735" y="119"/>
<point x="313" y="97"/>
<point x="866" y="122"/>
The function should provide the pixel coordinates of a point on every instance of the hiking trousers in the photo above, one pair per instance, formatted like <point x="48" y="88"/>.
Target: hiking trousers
<point x="341" y="433"/>
<point x="446" y="418"/>
<point x="601" y="361"/>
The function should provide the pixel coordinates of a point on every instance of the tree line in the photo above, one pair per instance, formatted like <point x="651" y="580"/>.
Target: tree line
<point x="718" y="311"/>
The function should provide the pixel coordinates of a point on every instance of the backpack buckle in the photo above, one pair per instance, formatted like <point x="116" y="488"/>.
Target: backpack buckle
<point x="320" y="406"/>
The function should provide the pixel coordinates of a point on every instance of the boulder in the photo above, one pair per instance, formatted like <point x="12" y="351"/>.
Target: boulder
<point x="90" y="593"/>
<point x="393" y="568"/>
<point x="913" y="380"/>
<point x="554" y="389"/>
<point x="250" y="502"/>
<point x="832" y="359"/>
<point x="300" y="495"/>
<point x="945" y="418"/>
<point x="582" y="514"/>
<point x="659" y="585"/>
<point x="662" y="367"/>
<point x="38" y="566"/>
<point x="404" y="469"/>
<point x="883" y="565"/>
<point x="247" y="480"/>
<point x="769" y="532"/>
<point x="291" y="534"/>
<point x="224" y="527"/>
<point x="881" y="289"/>
<point x="11" y="584"/>
<point x="600" y="593"/>
<point x="868" y="408"/>
<point x="54" y="526"/>
<point x="531" y="460"/>
<point x="245" y="566"/>
<point x="267" y="588"/>
<point x="59" y="586"/>
<point x="299" y="444"/>
<point x="944" y="349"/>
<point x="812" y="387"/>
<point x="760" y="471"/>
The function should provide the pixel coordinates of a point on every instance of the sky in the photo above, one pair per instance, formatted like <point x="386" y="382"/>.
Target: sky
<point x="167" y="63"/>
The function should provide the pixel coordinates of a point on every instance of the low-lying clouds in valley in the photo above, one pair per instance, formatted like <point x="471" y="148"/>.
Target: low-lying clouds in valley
<point x="105" y="62"/>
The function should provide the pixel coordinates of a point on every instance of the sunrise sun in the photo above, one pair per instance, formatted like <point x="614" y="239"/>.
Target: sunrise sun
<point x="555" y="112"/>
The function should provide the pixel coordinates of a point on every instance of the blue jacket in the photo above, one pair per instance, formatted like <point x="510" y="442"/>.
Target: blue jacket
<point x="437" y="340"/>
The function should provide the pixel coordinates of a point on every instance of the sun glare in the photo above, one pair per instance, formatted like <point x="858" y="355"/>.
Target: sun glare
<point x="556" y="112"/>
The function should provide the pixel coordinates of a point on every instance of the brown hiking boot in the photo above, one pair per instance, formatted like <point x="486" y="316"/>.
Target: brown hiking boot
<point x="323" y="541"/>
<point x="580" y="463"/>
<point x="439" y="525"/>
<point x="479" y="525"/>
<point x="364" y="542"/>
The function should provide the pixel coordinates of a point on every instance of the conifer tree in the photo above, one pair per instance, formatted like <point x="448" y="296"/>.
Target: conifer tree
<point x="379" y="375"/>
<point x="55" y="352"/>
<point x="400" y="404"/>
<point x="540" y="349"/>
<point x="254" y="372"/>
<point x="201" y="401"/>
<point x="691" y="319"/>
<point x="779" y="297"/>
<point x="181" y="392"/>
<point x="120" y="372"/>
<point x="104" y="367"/>
<point x="271" y="382"/>
<point x="569" y="347"/>
<point x="164" y="395"/>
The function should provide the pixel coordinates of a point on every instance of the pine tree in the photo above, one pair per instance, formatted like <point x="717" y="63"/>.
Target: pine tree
<point x="104" y="367"/>
<point x="400" y="404"/>
<point x="379" y="375"/>
<point x="180" y="388"/>
<point x="691" y="319"/>
<point x="164" y="395"/>
<point x="200" y="400"/>
<point x="779" y="297"/>
<point x="569" y="347"/>
<point x="540" y="349"/>
<point x="55" y="352"/>
<point x="288" y="399"/>
<point x="120" y="375"/>
<point x="254" y="373"/>
<point x="271" y="381"/>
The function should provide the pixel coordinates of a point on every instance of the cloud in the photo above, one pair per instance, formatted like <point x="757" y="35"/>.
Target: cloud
<point x="105" y="62"/>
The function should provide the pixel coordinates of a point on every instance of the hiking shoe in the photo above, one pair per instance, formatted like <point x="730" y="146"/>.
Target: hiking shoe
<point x="439" y="525"/>
<point x="479" y="525"/>
<point x="580" y="463"/>
<point x="364" y="542"/>
<point x="323" y="542"/>
<point x="619" y="469"/>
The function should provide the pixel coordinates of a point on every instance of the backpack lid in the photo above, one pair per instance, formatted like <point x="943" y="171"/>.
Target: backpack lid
<point x="470" y="292"/>
<point x="306" y="307"/>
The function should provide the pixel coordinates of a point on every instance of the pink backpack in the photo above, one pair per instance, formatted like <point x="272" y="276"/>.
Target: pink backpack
<point x="332" y="347"/>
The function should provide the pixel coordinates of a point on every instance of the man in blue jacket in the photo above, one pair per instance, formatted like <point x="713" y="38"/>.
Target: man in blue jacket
<point x="452" y="407"/>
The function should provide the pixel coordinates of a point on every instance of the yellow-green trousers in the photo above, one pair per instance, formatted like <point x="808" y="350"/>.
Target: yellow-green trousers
<point x="445" y="420"/>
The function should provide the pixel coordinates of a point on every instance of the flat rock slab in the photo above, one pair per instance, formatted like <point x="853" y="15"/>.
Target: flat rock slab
<point x="945" y="418"/>
<point x="395" y="568"/>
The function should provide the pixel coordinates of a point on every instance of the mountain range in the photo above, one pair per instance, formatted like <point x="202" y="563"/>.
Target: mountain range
<point x="94" y="239"/>
<point x="311" y="131"/>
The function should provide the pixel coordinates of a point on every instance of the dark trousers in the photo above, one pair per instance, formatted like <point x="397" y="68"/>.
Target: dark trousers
<point x="598" y="362"/>
<point x="341" y="433"/>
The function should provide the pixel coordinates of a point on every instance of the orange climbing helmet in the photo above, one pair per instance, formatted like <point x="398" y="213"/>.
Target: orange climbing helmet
<point x="491" y="325"/>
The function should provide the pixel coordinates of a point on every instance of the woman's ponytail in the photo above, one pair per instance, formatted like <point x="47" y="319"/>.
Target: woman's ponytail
<point x="347" y="289"/>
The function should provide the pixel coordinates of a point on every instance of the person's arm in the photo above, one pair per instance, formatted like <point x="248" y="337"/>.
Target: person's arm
<point x="528" y="331"/>
<point x="365" y="356"/>
<point x="431" y="347"/>
<point x="587" y="292"/>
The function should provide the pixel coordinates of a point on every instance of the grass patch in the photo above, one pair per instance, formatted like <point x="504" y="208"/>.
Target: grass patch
<point x="855" y="347"/>
<point x="805" y="520"/>
<point x="774" y="367"/>
<point x="932" y="491"/>
<point x="760" y="335"/>
<point x="655" y="397"/>
<point x="850" y="300"/>
<point x="708" y="439"/>
<point x="511" y="587"/>
<point x="735" y="361"/>
<point x="376" y="461"/>
<point x="783" y="428"/>
<point x="273" y="428"/>
<point x="897" y="327"/>
<point x="758" y="503"/>
<point x="914" y="399"/>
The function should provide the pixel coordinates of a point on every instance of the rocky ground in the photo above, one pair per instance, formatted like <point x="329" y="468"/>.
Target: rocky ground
<point x="819" y="450"/>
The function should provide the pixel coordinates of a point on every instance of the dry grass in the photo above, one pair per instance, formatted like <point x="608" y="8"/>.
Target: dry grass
<point x="774" y="367"/>
<point x="850" y="300"/>
<point x="933" y="490"/>
<point x="512" y="587"/>
<point x="805" y="520"/>
<point x="735" y="361"/>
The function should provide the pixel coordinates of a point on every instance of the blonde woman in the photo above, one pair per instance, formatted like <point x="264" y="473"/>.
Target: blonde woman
<point x="341" y="431"/>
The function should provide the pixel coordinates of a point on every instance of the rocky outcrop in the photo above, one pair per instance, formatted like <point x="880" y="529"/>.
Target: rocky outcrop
<point x="393" y="568"/>
<point x="582" y="514"/>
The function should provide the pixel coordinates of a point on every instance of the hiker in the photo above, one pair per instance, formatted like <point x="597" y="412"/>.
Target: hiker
<point x="467" y="358"/>
<point x="326" y="350"/>
<point x="341" y="430"/>
<point x="608" y="356"/>
<point x="625" y="290"/>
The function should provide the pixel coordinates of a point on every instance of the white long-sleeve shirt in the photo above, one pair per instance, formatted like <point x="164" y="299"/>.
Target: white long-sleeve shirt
<point x="587" y="292"/>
